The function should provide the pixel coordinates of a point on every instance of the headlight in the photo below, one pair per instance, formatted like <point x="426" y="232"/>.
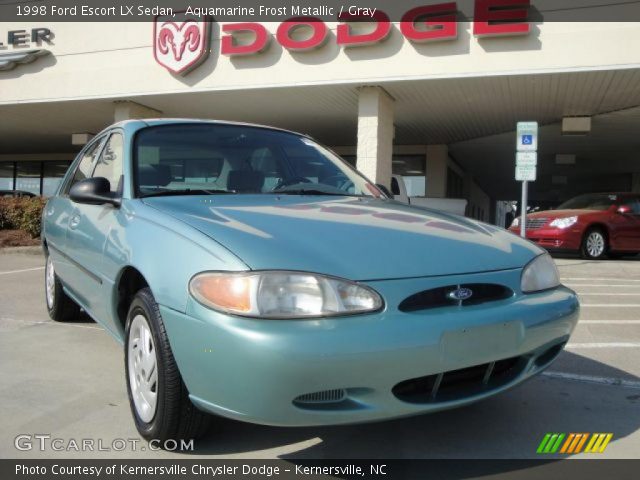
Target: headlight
<point x="564" y="222"/>
<point x="515" y="223"/>
<point x="540" y="274"/>
<point x="282" y="294"/>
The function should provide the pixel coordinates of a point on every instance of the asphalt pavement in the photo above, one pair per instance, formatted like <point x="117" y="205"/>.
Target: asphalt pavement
<point x="66" y="381"/>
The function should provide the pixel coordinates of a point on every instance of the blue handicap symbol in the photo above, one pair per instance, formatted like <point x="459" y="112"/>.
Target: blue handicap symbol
<point x="527" y="139"/>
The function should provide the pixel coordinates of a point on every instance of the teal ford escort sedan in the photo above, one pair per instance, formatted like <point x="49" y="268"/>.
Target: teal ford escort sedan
<point x="249" y="272"/>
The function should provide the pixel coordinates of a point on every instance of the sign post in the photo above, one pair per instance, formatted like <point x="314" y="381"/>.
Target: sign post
<point x="526" y="164"/>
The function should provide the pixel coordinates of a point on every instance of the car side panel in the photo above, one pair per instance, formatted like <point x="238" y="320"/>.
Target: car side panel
<point x="165" y="251"/>
<point x="56" y="215"/>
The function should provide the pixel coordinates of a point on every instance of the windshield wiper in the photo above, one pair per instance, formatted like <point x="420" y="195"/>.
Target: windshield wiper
<point x="298" y="190"/>
<point x="186" y="191"/>
<point x="304" y="191"/>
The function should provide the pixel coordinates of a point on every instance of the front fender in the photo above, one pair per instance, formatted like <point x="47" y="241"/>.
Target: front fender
<point x="166" y="251"/>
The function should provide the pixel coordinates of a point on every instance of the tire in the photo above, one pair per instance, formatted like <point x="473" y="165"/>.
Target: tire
<point x="59" y="305"/>
<point x="595" y="244"/>
<point x="158" y="398"/>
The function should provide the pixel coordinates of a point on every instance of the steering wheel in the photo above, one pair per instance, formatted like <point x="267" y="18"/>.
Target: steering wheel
<point x="290" y="181"/>
<point x="339" y="181"/>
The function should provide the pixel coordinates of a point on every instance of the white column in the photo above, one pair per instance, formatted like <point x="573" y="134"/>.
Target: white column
<point x="437" y="161"/>
<point x="375" y="134"/>
<point x="126" y="110"/>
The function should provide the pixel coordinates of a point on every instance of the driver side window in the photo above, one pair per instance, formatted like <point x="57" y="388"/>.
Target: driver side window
<point x="109" y="164"/>
<point x="83" y="170"/>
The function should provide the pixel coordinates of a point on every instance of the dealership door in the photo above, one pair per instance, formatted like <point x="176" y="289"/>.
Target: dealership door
<point x="92" y="229"/>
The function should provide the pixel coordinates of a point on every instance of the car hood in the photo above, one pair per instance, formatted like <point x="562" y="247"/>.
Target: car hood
<point x="359" y="239"/>
<point x="562" y="213"/>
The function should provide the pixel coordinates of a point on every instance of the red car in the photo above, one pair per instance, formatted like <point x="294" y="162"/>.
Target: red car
<point x="595" y="225"/>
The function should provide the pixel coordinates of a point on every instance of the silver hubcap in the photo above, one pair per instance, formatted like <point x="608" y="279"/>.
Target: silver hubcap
<point x="595" y="244"/>
<point x="50" y="282"/>
<point x="143" y="371"/>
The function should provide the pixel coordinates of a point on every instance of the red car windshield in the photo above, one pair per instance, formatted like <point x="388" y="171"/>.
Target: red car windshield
<point x="590" y="202"/>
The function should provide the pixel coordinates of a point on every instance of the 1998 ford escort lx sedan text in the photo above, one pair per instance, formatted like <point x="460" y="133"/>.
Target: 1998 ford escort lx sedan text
<point x="251" y="273"/>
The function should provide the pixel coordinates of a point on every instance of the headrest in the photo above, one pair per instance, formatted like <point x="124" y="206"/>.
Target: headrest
<point x="154" y="175"/>
<point x="245" y="181"/>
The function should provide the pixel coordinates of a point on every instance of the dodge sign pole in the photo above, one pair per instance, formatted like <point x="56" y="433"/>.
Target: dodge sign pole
<point x="526" y="164"/>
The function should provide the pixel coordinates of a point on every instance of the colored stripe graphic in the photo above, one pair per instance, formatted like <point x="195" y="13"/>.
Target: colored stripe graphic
<point x="566" y="445"/>
<point x="550" y="443"/>
<point x="574" y="443"/>
<point x="543" y="443"/>
<point x="598" y="442"/>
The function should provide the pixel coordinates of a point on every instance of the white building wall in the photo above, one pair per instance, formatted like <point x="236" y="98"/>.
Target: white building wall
<point x="111" y="60"/>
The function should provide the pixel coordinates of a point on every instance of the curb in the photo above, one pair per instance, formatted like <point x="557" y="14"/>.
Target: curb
<point x="32" y="250"/>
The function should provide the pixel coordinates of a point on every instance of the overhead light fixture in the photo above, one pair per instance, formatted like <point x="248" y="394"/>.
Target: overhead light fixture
<point x="565" y="159"/>
<point x="576" y="125"/>
<point x="81" y="138"/>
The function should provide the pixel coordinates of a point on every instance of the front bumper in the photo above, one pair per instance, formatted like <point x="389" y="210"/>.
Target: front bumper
<point x="369" y="367"/>
<point x="554" y="238"/>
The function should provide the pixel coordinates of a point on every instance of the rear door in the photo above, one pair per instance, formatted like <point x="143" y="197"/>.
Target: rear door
<point x="625" y="227"/>
<point x="59" y="213"/>
<point x="634" y="233"/>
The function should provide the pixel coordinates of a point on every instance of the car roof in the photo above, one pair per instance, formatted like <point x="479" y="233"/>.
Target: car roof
<point x="138" y="124"/>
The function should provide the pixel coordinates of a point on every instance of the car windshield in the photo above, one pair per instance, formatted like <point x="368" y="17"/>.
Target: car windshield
<point x="590" y="202"/>
<point x="206" y="159"/>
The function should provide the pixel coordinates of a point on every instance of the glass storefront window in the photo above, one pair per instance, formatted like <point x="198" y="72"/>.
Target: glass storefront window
<point x="28" y="177"/>
<point x="53" y="173"/>
<point x="39" y="178"/>
<point x="6" y="175"/>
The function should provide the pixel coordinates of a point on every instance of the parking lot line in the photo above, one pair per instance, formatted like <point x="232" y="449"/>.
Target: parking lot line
<point x="609" y="322"/>
<point x="593" y="379"/>
<point x="20" y="271"/>
<point x="600" y="278"/>
<point x="574" y="346"/>
<point x="606" y="285"/>
<point x="610" y="294"/>
<point x="609" y="305"/>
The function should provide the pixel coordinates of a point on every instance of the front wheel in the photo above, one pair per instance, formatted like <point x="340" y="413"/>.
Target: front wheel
<point x="594" y="244"/>
<point x="157" y="395"/>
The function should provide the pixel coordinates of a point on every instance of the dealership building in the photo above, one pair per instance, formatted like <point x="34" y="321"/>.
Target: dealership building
<point x="436" y="103"/>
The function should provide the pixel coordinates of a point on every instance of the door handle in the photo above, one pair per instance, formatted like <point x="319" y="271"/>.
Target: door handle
<point x="74" y="222"/>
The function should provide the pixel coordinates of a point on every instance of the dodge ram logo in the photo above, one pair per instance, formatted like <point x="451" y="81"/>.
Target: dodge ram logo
<point x="180" y="45"/>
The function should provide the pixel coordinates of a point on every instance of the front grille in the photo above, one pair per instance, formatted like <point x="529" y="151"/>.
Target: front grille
<point x="457" y="384"/>
<point x="442" y="296"/>
<point x="535" y="223"/>
<point x="325" y="396"/>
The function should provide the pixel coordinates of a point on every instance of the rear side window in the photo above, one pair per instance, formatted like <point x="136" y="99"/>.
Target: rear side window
<point x="84" y="167"/>
<point x="109" y="164"/>
<point x="395" y="188"/>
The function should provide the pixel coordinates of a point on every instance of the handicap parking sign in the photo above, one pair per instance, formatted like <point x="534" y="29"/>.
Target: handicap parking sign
<point x="527" y="138"/>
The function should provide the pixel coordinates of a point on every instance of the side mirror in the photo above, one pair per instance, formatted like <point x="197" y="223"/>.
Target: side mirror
<point x="624" y="210"/>
<point x="94" y="191"/>
<point x="384" y="190"/>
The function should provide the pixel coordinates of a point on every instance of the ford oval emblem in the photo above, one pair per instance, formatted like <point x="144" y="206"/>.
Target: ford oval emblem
<point x="460" y="294"/>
